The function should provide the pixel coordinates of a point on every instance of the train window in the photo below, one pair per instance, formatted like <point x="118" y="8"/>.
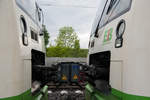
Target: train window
<point x="112" y="3"/>
<point x="39" y="16"/>
<point x="98" y="15"/>
<point x="34" y="35"/>
<point x="38" y="12"/>
<point x="121" y="7"/>
<point x="113" y="10"/>
<point x="105" y="15"/>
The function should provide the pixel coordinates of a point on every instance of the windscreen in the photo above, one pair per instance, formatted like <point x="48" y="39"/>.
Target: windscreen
<point x="98" y="15"/>
<point x="28" y="6"/>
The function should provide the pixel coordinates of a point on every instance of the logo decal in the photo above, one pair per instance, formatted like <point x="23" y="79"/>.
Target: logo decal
<point x="108" y="35"/>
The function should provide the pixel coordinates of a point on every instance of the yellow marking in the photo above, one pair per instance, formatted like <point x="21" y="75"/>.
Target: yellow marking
<point x="64" y="77"/>
<point x="75" y="77"/>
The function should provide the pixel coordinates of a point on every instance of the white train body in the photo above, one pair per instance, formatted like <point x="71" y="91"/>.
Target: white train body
<point x="15" y="56"/>
<point x="129" y="63"/>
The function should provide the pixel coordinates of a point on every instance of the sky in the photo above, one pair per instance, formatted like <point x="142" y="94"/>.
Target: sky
<point x="78" y="14"/>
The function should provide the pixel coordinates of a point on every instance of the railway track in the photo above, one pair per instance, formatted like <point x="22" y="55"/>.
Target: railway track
<point x="66" y="92"/>
<point x="58" y="86"/>
<point x="66" y="95"/>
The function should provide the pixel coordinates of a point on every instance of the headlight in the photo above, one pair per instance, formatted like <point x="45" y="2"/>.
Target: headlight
<point x="119" y="34"/>
<point x="23" y="25"/>
<point x="120" y="29"/>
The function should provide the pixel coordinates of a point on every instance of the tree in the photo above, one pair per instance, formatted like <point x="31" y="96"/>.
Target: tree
<point x="56" y="51"/>
<point x="76" y="49"/>
<point x="46" y="36"/>
<point x="83" y="53"/>
<point x="67" y="45"/>
<point x="77" y="45"/>
<point x="66" y="37"/>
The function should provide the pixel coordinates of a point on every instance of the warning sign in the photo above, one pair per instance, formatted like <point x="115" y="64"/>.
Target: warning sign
<point x="75" y="77"/>
<point x="64" y="77"/>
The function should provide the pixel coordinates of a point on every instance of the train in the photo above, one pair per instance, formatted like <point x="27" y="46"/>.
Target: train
<point x="118" y="58"/>
<point x="119" y="51"/>
<point x="22" y="47"/>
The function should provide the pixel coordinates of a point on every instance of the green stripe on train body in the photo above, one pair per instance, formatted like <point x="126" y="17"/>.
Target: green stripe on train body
<point x="28" y="95"/>
<point x="93" y="94"/>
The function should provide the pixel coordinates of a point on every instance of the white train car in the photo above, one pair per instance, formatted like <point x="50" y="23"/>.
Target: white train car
<point x="20" y="36"/>
<point x="120" y="41"/>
